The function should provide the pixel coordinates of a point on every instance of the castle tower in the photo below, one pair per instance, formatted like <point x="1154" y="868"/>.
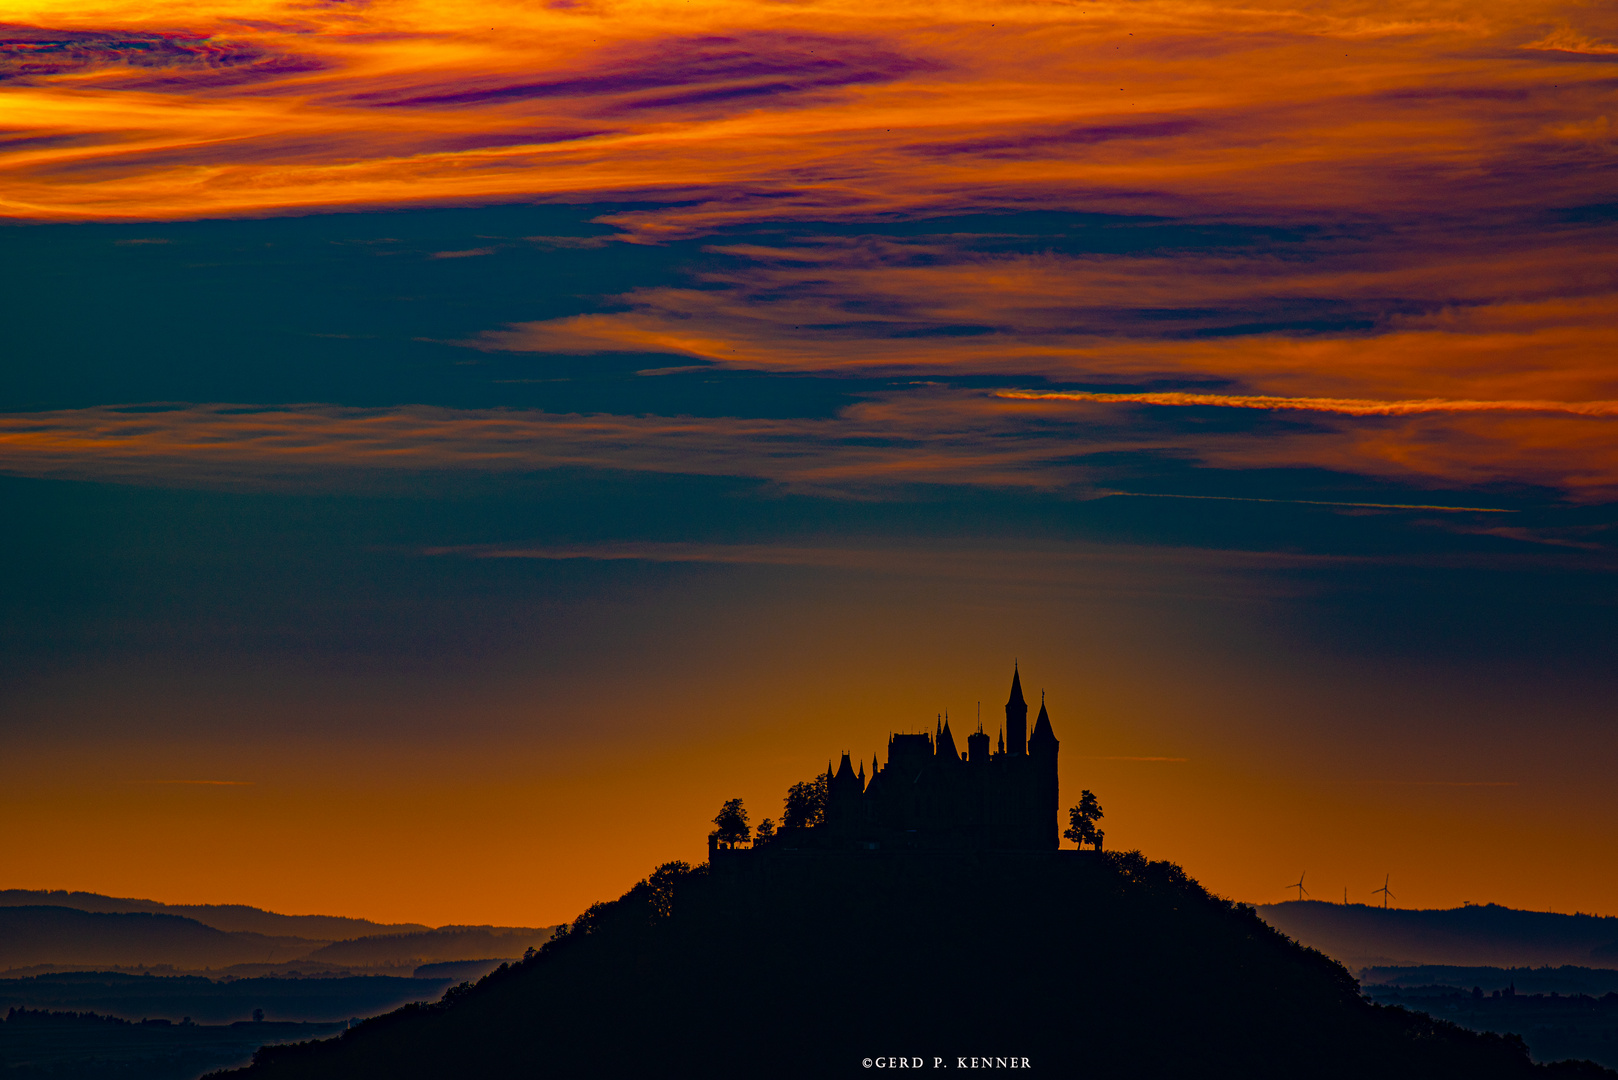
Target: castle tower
<point x="1016" y="717"/>
<point x="843" y="792"/>
<point x="1046" y="797"/>
<point x="977" y="745"/>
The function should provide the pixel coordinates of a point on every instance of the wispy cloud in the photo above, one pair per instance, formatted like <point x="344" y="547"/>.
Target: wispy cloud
<point x="1444" y="783"/>
<point x="1344" y="406"/>
<point x="197" y="783"/>
<point x="1316" y="502"/>
<point x="1355" y="219"/>
<point x="918" y="435"/>
<point x="825" y="110"/>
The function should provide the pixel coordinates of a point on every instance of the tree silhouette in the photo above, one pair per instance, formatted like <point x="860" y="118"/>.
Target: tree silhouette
<point x="732" y="824"/>
<point x="1082" y="818"/>
<point x="805" y="804"/>
<point x="766" y="830"/>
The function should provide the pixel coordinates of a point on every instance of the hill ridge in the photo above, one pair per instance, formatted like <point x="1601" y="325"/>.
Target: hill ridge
<point x="1364" y="935"/>
<point x="1096" y="965"/>
<point x="227" y="917"/>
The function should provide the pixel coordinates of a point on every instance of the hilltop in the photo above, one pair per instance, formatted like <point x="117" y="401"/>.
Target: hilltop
<point x="1476" y="935"/>
<point x="815" y="965"/>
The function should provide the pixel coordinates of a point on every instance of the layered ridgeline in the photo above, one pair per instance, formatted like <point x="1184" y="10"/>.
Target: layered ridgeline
<point x="231" y="918"/>
<point x="1361" y="935"/>
<point x="830" y="964"/>
<point x="39" y="938"/>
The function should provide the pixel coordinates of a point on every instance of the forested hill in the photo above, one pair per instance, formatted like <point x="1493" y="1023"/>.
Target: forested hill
<point x="1478" y="934"/>
<point x="1085" y="965"/>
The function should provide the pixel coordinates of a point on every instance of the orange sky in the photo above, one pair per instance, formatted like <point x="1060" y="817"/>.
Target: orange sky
<point x="521" y="798"/>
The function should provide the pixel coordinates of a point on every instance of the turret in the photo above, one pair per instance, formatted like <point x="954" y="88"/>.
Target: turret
<point x="1043" y="740"/>
<point x="846" y="779"/>
<point x="1016" y="717"/>
<point x="1046" y="794"/>
<point x="977" y="745"/>
<point x="944" y="747"/>
<point x="843" y="791"/>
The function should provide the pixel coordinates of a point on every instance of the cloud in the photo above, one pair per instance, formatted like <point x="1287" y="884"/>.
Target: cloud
<point x="926" y="435"/>
<point x="752" y="112"/>
<point x="1355" y="221"/>
<point x="140" y="60"/>
<point x="198" y="783"/>
<point x="1566" y="39"/>
<point x="673" y="72"/>
<point x="1343" y="406"/>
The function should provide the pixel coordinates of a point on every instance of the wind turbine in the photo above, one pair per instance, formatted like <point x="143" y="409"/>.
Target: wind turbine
<point x="1384" y="891"/>
<point x="1302" y="892"/>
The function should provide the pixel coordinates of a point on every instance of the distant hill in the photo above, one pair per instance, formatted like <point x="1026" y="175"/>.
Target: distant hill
<point x="1569" y="980"/>
<point x="232" y="918"/>
<point x="432" y="946"/>
<point x="36" y="938"/>
<point x="1100" y="966"/>
<point x="457" y="970"/>
<point x="41" y="934"/>
<point x="214" y="1001"/>
<point x="1476" y="935"/>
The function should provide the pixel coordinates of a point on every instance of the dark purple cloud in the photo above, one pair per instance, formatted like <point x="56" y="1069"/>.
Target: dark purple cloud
<point x="141" y="59"/>
<point x="1036" y="142"/>
<point x="702" y="70"/>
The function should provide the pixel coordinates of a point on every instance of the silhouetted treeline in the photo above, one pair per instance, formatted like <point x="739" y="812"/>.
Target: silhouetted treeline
<point x="1554" y="1025"/>
<point x="1086" y="964"/>
<point x="39" y="1044"/>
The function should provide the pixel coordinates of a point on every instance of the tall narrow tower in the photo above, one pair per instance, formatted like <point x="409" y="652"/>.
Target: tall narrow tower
<point x="1016" y="718"/>
<point x="1045" y="796"/>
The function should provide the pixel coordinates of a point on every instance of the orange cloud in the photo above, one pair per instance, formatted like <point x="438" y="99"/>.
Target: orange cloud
<point x="825" y="109"/>
<point x="1344" y="406"/>
<point x="925" y="435"/>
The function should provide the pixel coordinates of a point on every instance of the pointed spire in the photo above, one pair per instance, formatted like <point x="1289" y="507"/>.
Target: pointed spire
<point x="1002" y="740"/>
<point x="946" y="742"/>
<point x="1016" y="717"/>
<point x="1043" y="736"/>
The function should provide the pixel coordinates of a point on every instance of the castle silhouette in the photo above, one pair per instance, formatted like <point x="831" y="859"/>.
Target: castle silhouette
<point x="930" y="796"/>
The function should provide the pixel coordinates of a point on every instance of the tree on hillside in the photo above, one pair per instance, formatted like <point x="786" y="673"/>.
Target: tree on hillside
<point x="1082" y="821"/>
<point x="766" y="830"/>
<point x="805" y="804"/>
<point x="732" y="824"/>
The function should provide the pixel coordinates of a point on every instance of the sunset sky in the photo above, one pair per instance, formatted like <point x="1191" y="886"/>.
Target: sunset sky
<point x="448" y="449"/>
